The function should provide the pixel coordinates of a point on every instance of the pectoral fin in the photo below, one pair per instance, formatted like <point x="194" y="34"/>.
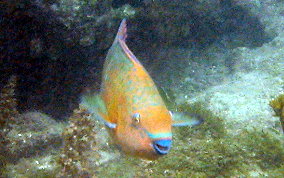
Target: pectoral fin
<point x="95" y="105"/>
<point x="185" y="119"/>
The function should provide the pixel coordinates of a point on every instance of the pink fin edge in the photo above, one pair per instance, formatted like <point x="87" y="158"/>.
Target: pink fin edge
<point x="121" y="37"/>
<point x="122" y="31"/>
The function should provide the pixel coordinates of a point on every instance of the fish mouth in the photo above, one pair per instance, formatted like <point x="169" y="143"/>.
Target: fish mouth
<point x="163" y="146"/>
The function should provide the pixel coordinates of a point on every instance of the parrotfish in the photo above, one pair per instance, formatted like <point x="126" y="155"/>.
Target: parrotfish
<point x="130" y="105"/>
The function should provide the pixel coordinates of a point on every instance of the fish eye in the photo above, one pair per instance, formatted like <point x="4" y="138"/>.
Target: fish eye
<point x="136" y="117"/>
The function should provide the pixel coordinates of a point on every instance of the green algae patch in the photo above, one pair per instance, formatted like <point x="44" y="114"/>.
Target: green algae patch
<point x="265" y="148"/>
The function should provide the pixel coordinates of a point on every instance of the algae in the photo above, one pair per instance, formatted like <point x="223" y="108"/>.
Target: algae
<point x="41" y="166"/>
<point x="278" y="106"/>
<point x="79" y="154"/>
<point x="205" y="151"/>
<point x="8" y="112"/>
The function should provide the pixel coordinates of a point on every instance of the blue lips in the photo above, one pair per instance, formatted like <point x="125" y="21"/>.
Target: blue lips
<point x="162" y="147"/>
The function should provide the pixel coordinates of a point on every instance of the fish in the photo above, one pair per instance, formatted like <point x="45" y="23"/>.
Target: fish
<point x="130" y="106"/>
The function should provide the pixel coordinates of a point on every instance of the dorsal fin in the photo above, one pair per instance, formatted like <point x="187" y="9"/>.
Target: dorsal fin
<point x="120" y="39"/>
<point x="122" y="32"/>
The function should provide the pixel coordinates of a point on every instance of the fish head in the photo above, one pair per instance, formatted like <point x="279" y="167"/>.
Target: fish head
<point x="146" y="133"/>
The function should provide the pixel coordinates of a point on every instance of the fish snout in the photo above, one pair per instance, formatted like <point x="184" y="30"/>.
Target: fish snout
<point x="163" y="146"/>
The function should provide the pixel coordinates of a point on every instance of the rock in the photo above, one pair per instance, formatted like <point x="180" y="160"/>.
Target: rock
<point x="33" y="134"/>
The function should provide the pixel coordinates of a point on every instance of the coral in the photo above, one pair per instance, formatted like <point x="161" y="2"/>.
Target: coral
<point x="8" y="112"/>
<point x="37" y="138"/>
<point x="79" y="153"/>
<point x="8" y="103"/>
<point x="33" y="134"/>
<point x="278" y="106"/>
<point x="35" y="141"/>
<point x="23" y="135"/>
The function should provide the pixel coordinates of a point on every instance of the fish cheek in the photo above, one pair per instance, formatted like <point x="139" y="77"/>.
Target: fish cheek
<point x="137" y="128"/>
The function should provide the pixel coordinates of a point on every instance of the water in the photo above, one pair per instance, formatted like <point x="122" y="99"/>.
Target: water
<point x="221" y="60"/>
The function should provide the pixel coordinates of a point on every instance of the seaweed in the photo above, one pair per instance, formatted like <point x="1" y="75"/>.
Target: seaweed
<point x="278" y="106"/>
<point x="265" y="148"/>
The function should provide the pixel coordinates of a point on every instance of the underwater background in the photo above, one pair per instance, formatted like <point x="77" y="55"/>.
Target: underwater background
<point x="220" y="59"/>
